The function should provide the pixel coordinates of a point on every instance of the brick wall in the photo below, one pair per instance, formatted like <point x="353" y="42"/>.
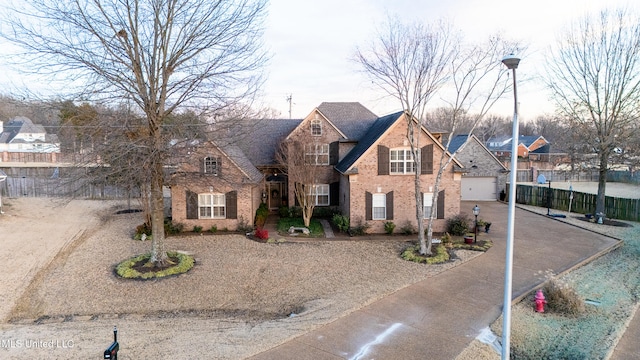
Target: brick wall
<point x="368" y="180"/>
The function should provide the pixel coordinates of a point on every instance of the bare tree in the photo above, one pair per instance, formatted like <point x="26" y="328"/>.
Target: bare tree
<point x="594" y="75"/>
<point x="478" y="80"/>
<point x="410" y="63"/>
<point x="161" y="55"/>
<point x="299" y="161"/>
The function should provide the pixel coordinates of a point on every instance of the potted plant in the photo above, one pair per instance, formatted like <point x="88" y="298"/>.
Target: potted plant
<point x="468" y="238"/>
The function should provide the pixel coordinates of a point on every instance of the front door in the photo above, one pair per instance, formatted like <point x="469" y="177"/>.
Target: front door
<point x="275" y="195"/>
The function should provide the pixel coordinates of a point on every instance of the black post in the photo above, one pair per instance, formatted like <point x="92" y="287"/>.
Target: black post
<point x="475" y="238"/>
<point x="549" y="199"/>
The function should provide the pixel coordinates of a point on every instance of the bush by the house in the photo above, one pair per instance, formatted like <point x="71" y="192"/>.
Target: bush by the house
<point x="458" y="225"/>
<point x="408" y="228"/>
<point x="389" y="226"/>
<point x="213" y="229"/>
<point x="171" y="228"/>
<point x="261" y="215"/>
<point x="243" y="225"/>
<point x="359" y="229"/>
<point x="341" y="222"/>
<point x="197" y="229"/>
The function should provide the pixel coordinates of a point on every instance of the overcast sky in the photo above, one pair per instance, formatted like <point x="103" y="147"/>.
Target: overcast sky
<point x="313" y="42"/>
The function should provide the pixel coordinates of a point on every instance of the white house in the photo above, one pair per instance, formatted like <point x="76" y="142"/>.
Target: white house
<point x="20" y="134"/>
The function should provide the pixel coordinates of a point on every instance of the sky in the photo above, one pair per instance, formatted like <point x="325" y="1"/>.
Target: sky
<point x="312" y="44"/>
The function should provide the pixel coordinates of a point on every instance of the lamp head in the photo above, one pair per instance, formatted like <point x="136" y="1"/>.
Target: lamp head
<point x="511" y="61"/>
<point x="476" y="210"/>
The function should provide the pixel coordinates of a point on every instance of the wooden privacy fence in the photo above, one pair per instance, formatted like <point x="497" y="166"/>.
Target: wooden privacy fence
<point x="582" y="203"/>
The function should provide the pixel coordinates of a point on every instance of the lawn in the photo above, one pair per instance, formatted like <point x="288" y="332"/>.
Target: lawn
<point x="612" y="282"/>
<point x="315" y="228"/>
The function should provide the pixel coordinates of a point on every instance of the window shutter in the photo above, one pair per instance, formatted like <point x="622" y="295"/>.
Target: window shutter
<point x="390" y="205"/>
<point x="231" y="204"/>
<point x="368" y="205"/>
<point x="334" y="194"/>
<point x="426" y="160"/>
<point x="333" y="153"/>
<point x="192" y="204"/>
<point x="440" y="205"/>
<point x="383" y="160"/>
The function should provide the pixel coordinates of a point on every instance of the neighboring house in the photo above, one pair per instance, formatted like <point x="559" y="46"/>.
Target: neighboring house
<point x="485" y="176"/>
<point x="21" y="135"/>
<point x="501" y="146"/>
<point x="365" y="167"/>
<point x="215" y="186"/>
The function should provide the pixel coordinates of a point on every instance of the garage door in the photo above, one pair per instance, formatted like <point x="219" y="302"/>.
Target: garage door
<point x="478" y="188"/>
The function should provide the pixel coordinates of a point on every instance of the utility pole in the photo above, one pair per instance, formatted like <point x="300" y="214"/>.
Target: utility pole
<point x="290" y="100"/>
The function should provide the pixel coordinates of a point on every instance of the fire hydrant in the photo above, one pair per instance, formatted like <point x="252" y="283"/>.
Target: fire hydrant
<point x="540" y="301"/>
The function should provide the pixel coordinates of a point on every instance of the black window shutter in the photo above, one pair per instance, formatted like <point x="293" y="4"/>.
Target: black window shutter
<point x="231" y="203"/>
<point x="383" y="160"/>
<point x="426" y="160"/>
<point x="334" y="194"/>
<point x="333" y="153"/>
<point x="440" y="205"/>
<point x="390" y="205"/>
<point x="192" y="204"/>
<point x="368" y="205"/>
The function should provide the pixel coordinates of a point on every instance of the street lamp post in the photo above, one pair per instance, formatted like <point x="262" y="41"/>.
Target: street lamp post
<point x="476" y="212"/>
<point x="512" y="64"/>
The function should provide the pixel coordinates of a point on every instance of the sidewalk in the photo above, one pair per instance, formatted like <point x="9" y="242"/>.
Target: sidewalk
<point x="437" y="318"/>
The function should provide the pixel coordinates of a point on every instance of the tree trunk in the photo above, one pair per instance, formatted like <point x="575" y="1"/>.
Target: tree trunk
<point x="158" y="252"/>
<point x="602" y="183"/>
<point x="425" y="246"/>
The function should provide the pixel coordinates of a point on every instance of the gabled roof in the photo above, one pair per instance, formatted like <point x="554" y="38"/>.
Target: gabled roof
<point x="237" y="156"/>
<point x="261" y="142"/>
<point x="457" y="142"/>
<point x="17" y="125"/>
<point x="376" y="130"/>
<point x="529" y="140"/>
<point x="351" y="118"/>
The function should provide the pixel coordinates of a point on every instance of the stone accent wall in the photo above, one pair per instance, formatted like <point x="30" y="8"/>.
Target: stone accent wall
<point x="478" y="162"/>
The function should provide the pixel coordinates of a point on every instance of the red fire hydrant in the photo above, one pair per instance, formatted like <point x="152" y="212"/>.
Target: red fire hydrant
<point x="540" y="301"/>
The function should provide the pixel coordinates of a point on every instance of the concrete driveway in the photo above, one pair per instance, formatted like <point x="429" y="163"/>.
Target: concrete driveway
<point x="437" y="318"/>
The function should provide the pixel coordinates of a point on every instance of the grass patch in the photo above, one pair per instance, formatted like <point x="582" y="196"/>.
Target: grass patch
<point x="613" y="280"/>
<point x="139" y="267"/>
<point x="315" y="228"/>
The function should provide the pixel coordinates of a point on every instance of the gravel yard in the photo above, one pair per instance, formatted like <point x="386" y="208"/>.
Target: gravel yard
<point x="242" y="297"/>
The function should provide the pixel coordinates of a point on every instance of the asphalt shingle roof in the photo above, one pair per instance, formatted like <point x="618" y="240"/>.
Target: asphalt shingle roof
<point x="377" y="129"/>
<point x="261" y="142"/>
<point x="351" y="118"/>
<point x="457" y="141"/>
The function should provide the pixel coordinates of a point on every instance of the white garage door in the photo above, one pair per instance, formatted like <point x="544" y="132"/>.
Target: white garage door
<point x="478" y="188"/>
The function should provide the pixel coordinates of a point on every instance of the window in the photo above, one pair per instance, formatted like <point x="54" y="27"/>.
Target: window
<point x="379" y="207"/>
<point x="211" y="206"/>
<point x="401" y="161"/>
<point x="427" y="204"/>
<point x="316" y="154"/>
<point x="320" y="194"/>
<point x="211" y="165"/>
<point x="316" y="127"/>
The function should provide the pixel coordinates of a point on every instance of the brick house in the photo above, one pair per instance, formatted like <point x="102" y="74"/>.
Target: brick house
<point x="501" y="146"/>
<point x="215" y="186"/>
<point x="360" y="159"/>
<point x="485" y="175"/>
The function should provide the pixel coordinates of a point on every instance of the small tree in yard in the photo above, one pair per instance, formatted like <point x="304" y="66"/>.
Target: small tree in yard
<point x="298" y="163"/>
<point x="161" y="56"/>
